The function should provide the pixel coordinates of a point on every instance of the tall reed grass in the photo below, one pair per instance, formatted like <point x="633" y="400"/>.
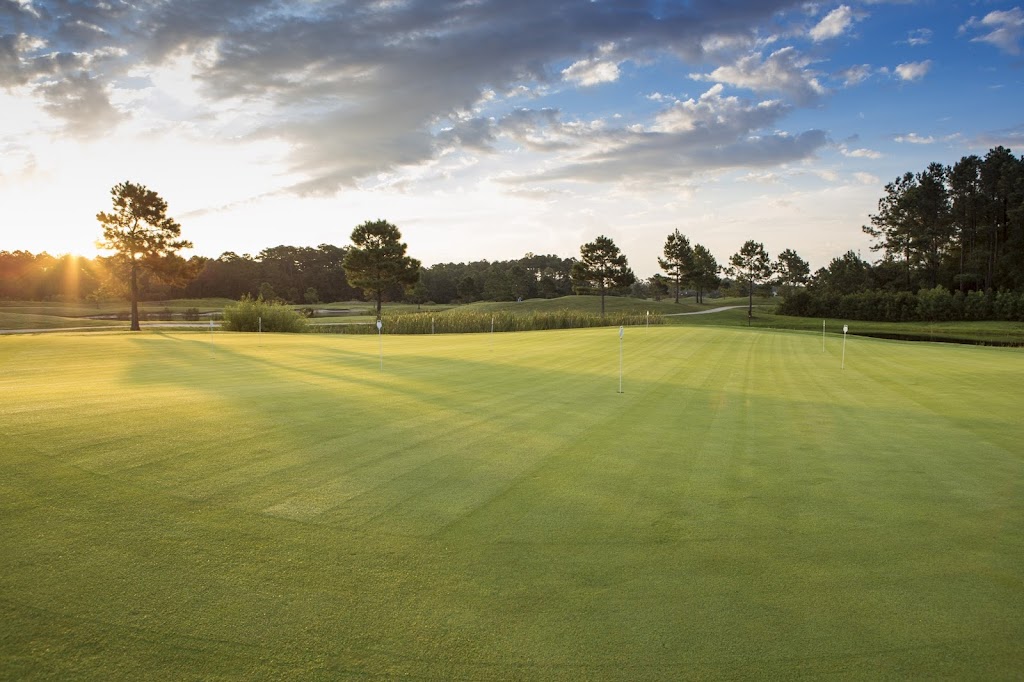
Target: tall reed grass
<point x="470" y="322"/>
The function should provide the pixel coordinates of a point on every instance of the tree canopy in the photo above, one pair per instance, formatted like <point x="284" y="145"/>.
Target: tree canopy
<point x="377" y="260"/>
<point x="959" y="226"/>
<point x="790" y="269"/>
<point x="678" y="260"/>
<point x="751" y="266"/>
<point x="601" y="267"/>
<point x="142" y="236"/>
<point x="705" y="271"/>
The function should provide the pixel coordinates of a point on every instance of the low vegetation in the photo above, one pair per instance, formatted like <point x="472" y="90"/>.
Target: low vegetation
<point x="474" y="321"/>
<point x="255" y="314"/>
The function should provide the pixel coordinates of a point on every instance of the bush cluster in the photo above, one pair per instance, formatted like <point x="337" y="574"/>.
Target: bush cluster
<point x="469" y="322"/>
<point x="927" y="305"/>
<point x="252" y="314"/>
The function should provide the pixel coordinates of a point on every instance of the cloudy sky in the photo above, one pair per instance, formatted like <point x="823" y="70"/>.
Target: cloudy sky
<point x="485" y="129"/>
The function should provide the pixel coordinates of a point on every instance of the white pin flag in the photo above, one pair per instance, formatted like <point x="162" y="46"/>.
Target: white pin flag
<point x="380" y="338"/>
<point x="846" y="328"/>
<point x="622" y="332"/>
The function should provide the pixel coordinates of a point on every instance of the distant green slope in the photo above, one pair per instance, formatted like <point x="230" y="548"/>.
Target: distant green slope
<point x="593" y="304"/>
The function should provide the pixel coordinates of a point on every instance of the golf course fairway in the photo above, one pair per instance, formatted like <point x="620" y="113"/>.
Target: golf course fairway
<point x="240" y="506"/>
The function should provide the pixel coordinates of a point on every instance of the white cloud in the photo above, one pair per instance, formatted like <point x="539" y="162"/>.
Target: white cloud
<point x="855" y="74"/>
<point x="762" y="177"/>
<point x="912" y="71"/>
<point x="693" y="137"/>
<point x="866" y="178"/>
<point x="861" y="153"/>
<point x="713" y="108"/>
<point x="914" y="138"/>
<point x="587" y="72"/>
<point x="1005" y="29"/>
<point x="784" y="70"/>
<point x="834" y="24"/>
<point x="921" y="36"/>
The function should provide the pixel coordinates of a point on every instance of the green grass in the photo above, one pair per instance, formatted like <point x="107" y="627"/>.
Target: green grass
<point x="10" y="320"/>
<point x="980" y="332"/>
<point x="277" y="507"/>
<point x="110" y="307"/>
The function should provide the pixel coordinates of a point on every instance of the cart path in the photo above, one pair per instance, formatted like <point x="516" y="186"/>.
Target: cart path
<point x="705" y="312"/>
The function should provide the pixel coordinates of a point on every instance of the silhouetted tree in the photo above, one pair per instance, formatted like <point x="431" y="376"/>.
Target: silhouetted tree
<point x="678" y="260"/>
<point x="377" y="261"/>
<point x="602" y="267"/>
<point x="142" y="235"/>
<point x="751" y="266"/>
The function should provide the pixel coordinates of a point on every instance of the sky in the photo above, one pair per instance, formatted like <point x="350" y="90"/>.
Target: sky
<point x="486" y="129"/>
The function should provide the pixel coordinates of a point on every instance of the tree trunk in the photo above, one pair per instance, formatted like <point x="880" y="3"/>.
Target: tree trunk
<point x="906" y="257"/>
<point x="601" y="289"/>
<point x="677" y="289"/>
<point x="380" y="299"/>
<point x="750" y="302"/>
<point x="135" y="297"/>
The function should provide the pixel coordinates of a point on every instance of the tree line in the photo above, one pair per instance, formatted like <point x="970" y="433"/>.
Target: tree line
<point x="960" y="226"/>
<point x="951" y="240"/>
<point x="293" y="274"/>
<point x="948" y="232"/>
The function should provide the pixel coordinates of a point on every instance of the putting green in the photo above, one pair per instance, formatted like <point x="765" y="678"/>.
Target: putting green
<point x="187" y="505"/>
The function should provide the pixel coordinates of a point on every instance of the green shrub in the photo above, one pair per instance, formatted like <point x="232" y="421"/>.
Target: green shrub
<point x="250" y="315"/>
<point x="934" y="305"/>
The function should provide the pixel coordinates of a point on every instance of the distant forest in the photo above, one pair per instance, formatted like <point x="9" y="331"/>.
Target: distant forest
<point x="298" y="275"/>
<point x="950" y="241"/>
<point x="952" y="246"/>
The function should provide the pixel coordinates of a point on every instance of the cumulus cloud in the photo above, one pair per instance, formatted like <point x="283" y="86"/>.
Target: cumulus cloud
<point x="855" y="74"/>
<point x="1002" y="28"/>
<point x="914" y="138"/>
<point x="912" y="71"/>
<point x="82" y="102"/>
<point x="834" y="24"/>
<point x="861" y="153"/>
<point x="712" y="132"/>
<point x="356" y="89"/>
<point x="785" y="71"/>
<point x="588" y="72"/>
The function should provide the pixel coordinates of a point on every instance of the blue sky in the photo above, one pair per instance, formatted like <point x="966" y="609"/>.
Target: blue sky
<point x="485" y="129"/>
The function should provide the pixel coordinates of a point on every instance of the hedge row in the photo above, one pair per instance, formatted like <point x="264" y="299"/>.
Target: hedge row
<point x="927" y="305"/>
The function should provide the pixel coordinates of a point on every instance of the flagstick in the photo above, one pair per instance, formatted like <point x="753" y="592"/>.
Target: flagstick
<point x="843" y="365"/>
<point x="622" y="331"/>
<point x="380" y="338"/>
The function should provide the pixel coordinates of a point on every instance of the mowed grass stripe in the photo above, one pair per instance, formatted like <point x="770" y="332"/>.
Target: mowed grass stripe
<point x="491" y="508"/>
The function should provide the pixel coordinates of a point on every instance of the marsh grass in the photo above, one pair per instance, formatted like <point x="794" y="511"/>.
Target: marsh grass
<point x="461" y="321"/>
